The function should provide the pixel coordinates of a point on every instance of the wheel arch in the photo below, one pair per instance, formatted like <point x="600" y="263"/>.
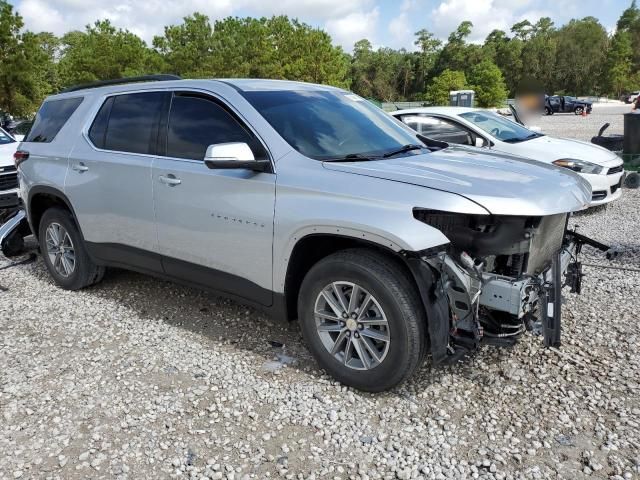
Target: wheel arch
<point x="314" y="246"/>
<point x="41" y="198"/>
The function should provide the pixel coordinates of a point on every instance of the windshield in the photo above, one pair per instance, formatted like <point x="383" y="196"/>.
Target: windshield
<point x="500" y="127"/>
<point x="328" y="125"/>
<point x="5" y="138"/>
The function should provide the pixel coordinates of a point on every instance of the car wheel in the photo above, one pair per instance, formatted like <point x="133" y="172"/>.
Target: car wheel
<point x="547" y="111"/>
<point x="64" y="252"/>
<point x="579" y="110"/>
<point x="362" y="319"/>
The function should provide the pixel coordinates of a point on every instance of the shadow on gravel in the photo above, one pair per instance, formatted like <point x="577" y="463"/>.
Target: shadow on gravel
<point x="221" y="320"/>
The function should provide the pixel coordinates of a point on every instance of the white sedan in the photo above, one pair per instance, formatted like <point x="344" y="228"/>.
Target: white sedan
<point x="8" y="174"/>
<point x="482" y="128"/>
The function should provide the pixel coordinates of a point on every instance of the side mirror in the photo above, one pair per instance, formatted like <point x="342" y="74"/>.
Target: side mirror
<point x="235" y="155"/>
<point x="480" y="142"/>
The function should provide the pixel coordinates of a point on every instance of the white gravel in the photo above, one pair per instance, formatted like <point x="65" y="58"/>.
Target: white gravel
<point x="138" y="378"/>
<point x="584" y="128"/>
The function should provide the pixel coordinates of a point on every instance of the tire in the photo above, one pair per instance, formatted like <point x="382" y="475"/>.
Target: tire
<point x="547" y="111"/>
<point x="632" y="180"/>
<point x="395" y="298"/>
<point x="578" y="110"/>
<point x="84" y="272"/>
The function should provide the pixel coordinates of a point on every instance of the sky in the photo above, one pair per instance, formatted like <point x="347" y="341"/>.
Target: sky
<point x="384" y="22"/>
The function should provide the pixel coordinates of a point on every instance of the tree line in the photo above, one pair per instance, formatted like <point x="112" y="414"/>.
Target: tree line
<point x="578" y="58"/>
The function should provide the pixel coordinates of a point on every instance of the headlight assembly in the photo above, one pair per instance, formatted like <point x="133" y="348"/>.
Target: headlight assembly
<point x="580" y="166"/>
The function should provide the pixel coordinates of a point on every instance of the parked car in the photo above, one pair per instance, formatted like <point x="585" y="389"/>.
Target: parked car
<point x="383" y="247"/>
<point x="20" y="129"/>
<point x="565" y="104"/>
<point x="8" y="174"/>
<point x="631" y="97"/>
<point x="475" y="127"/>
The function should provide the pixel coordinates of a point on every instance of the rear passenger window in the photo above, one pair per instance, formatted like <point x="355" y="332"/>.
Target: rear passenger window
<point x="51" y="117"/>
<point x="98" y="131"/>
<point x="131" y="123"/>
<point x="196" y="122"/>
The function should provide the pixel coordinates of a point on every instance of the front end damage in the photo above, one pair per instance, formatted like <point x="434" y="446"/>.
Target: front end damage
<point x="499" y="277"/>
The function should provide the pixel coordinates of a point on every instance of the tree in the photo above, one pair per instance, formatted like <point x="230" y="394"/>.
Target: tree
<point x="581" y="54"/>
<point x="629" y="17"/>
<point x="487" y="81"/>
<point x="103" y="52"/>
<point x="457" y="54"/>
<point x="426" y="57"/>
<point x="620" y="63"/>
<point x="438" y="92"/>
<point x="26" y="64"/>
<point x="506" y="53"/>
<point x="276" y="47"/>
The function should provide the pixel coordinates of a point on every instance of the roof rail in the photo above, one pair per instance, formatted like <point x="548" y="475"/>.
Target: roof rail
<point x="121" y="81"/>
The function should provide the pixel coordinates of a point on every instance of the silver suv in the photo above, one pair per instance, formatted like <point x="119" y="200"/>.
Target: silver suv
<point x="306" y="201"/>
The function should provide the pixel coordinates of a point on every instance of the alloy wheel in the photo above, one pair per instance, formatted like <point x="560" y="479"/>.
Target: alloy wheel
<point x="60" y="250"/>
<point x="352" y="325"/>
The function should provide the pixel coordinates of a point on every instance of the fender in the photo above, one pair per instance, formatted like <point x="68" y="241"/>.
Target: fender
<point x="54" y="192"/>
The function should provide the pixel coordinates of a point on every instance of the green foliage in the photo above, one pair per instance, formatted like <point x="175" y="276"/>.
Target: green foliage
<point x="487" y="81"/>
<point x="579" y="58"/>
<point x="438" y="91"/>
<point x="276" y="47"/>
<point x="103" y="52"/>
<point x="26" y="64"/>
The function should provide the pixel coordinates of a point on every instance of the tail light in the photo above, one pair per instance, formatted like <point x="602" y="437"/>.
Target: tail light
<point x="19" y="157"/>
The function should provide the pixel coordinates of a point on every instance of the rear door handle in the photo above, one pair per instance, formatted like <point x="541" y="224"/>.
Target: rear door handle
<point x="170" y="180"/>
<point x="79" y="167"/>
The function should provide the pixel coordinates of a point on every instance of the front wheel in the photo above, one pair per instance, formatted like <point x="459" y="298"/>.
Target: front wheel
<point x="579" y="110"/>
<point x="548" y="111"/>
<point x="362" y="319"/>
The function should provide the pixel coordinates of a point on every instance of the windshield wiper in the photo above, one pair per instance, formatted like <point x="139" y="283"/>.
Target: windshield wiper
<point x="351" y="157"/>
<point x="403" y="149"/>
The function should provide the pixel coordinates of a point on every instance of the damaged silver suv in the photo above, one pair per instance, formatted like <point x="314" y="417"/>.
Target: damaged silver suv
<point x="306" y="201"/>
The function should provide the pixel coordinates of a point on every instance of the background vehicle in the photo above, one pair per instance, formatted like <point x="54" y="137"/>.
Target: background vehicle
<point x="8" y="174"/>
<point x="20" y="129"/>
<point x="382" y="247"/>
<point x="631" y="97"/>
<point x="475" y="127"/>
<point x="565" y="104"/>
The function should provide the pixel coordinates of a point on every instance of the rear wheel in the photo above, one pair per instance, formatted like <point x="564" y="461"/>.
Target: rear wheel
<point x="547" y="111"/>
<point x="64" y="253"/>
<point x="579" y="110"/>
<point x="362" y="319"/>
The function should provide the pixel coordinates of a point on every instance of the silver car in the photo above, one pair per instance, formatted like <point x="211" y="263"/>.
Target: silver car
<point x="306" y="201"/>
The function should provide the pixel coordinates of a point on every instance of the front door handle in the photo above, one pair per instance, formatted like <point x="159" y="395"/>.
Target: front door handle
<point x="170" y="180"/>
<point x="79" y="167"/>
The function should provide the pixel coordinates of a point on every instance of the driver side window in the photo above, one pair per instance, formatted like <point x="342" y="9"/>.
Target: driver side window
<point x="195" y="122"/>
<point x="439" y="129"/>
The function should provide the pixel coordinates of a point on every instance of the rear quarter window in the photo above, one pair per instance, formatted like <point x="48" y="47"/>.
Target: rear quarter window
<point x="51" y="117"/>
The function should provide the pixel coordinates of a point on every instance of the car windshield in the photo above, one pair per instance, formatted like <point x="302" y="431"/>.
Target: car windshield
<point x="5" y="138"/>
<point x="500" y="127"/>
<point x="332" y="125"/>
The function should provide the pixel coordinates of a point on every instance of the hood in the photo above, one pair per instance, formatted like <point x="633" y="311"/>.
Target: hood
<point x="549" y="149"/>
<point x="502" y="184"/>
<point x="6" y="153"/>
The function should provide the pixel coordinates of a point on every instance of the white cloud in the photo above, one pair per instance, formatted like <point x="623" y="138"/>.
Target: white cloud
<point x="353" y="27"/>
<point x="148" y="17"/>
<point x="486" y="15"/>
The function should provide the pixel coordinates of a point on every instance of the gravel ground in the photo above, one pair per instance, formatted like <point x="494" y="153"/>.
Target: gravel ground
<point x="583" y="128"/>
<point x="138" y="378"/>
